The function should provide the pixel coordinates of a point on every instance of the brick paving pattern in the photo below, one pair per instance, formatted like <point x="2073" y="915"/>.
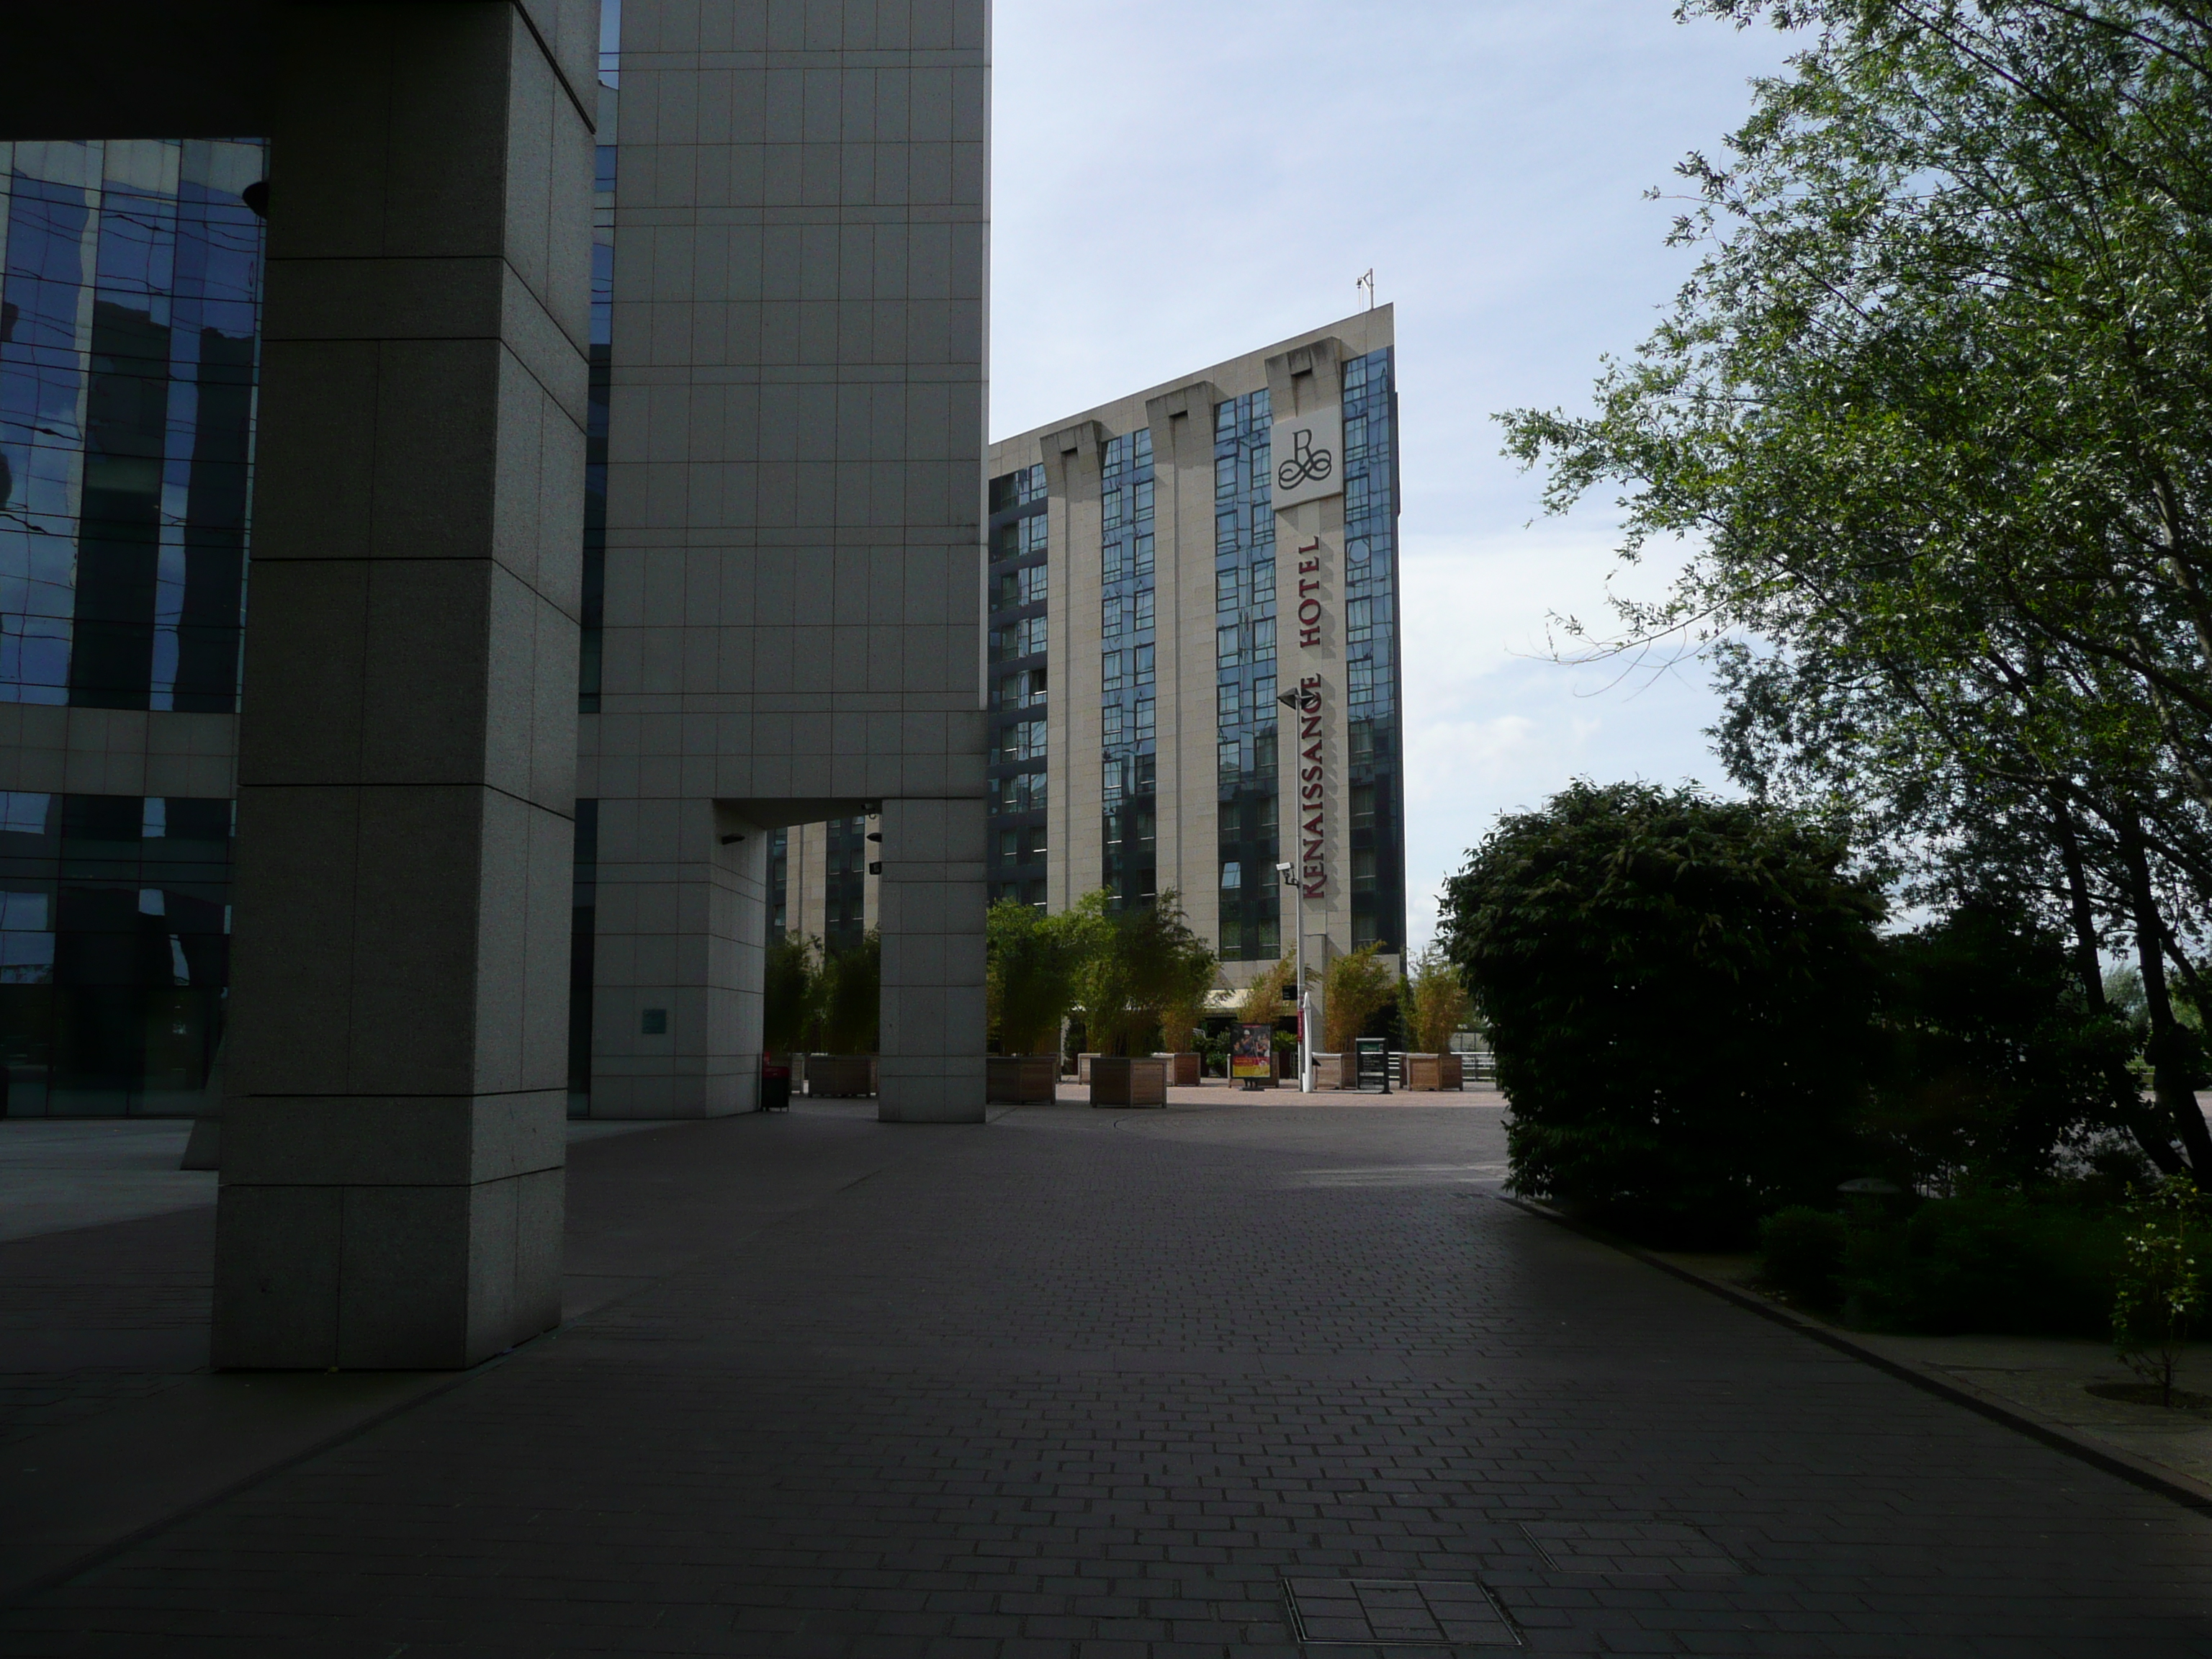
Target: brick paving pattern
<point x="1089" y="1385"/>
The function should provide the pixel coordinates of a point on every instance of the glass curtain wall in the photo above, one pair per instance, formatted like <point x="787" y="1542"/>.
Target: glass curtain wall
<point x="1019" y="606"/>
<point x="130" y="316"/>
<point x="1370" y="619"/>
<point x="1244" y="676"/>
<point x="583" y="935"/>
<point x="114" y="952"/>
<point x="845" y="910"/>
<point x="595" y="594"/>
<point x="778" y="883"/>
<point x="1129" y="746"/>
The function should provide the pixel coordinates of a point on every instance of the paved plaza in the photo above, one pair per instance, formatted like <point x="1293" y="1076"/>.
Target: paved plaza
<point x="1231" y="1379"/>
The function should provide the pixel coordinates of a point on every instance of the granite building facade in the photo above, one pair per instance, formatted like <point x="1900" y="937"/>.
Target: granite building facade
<point x="616" y="502"/>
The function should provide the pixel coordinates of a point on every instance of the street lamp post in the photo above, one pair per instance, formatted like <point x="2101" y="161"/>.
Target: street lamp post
<point x="1290" y="879"/>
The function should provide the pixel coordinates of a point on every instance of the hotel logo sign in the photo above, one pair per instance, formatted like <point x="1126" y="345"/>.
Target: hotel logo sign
<point x="1307" y="453"/>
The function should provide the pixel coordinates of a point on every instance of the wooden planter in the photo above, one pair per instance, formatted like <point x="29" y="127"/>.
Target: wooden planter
<point x="1329" y="1072"/>
<point x="1455" y="1072"/>
<point x="1082" y="1068"/>
<point x="840" y="1076"/>
<point x="1115" y="1081"/>
<point x="1424" y="1073"/>
<point x="1182" y="1070"/>
<point x="1021" y="1079"/>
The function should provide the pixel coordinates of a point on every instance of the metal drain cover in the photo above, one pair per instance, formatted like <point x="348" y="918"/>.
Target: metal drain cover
<point x="1397" y="1613"/>
<point x="1648" y="1547"/>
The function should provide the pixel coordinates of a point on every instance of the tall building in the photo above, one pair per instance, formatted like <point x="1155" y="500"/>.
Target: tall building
<point x="1164" y="570"/>
<point x="608" y="521"/>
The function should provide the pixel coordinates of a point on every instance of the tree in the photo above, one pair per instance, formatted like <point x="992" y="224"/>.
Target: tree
<point x="1677" y="990"/>
<point x="1359" y="985"/>
<point x="1995" y="1059"/>
<point x="1436" y="1003"/>
<point x="852" y="996"/>
<point x="1035" y="967"/>
<point x="790" y="987"/>
<point x="1263" y="998"/>
<point x="1931" y="414"/>
<point x="1149" y="967"/>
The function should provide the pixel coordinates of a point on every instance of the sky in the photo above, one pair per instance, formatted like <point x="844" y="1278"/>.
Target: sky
<point x="1175" y="182"/>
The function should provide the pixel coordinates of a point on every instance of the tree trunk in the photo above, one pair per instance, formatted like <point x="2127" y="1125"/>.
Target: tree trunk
<point x="2149" y="1131"/>
<point x="2170" y="1051"/>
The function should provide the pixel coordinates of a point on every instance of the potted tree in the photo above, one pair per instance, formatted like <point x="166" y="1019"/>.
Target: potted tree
<point x="1036" y="965"/>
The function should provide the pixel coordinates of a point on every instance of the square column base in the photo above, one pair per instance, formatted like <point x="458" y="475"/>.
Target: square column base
<point x="338" y="1243"/>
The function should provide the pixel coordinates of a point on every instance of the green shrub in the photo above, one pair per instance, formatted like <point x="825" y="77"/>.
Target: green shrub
<point x="1800" y="1255"/>
<point x="1997" y="1262"/>
<point x="1677" y="990"/>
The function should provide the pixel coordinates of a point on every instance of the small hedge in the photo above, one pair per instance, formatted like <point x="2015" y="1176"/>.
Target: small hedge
<point x="1997" y="1262"/>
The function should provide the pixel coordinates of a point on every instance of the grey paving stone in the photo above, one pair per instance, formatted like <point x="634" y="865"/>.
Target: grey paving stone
<point x="1073" y="1385"/>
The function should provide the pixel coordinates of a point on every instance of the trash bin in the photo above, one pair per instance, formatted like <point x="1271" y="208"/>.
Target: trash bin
<point x="775" y="1088"/>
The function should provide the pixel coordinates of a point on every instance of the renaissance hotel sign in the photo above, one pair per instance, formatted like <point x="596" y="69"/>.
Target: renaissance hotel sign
<point x="1307" y="453"/>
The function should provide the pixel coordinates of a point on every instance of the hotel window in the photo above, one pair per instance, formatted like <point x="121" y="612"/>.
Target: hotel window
<point x="1224" y="532"/>
<point x="1263" y="639"/>
<point x="1228" y="589"/>
<point x="1111" y="611"/>
<point x="1358" y="621"/>
<point x="1225" y="644"/>
<point x="1112" y="665"/>
<point x="1112" y="505"/>
<point x="1263" y="583"/>
<point x="1111" y="725"/>
<point x="1143" y="665"/>
<point x="1232" y="764"/>
<point x="1225" y="477"/>
<point x="1362" y="806"/>
<point x="1144" y="611"/>
<point x="1227" y="698"/>
<point x="1363" y="870"/>
<point x="1144" y="723"/>
<point x="1232" y="873"/>
<point x="1144" y="498"/>
<point x="1145" y="553"/>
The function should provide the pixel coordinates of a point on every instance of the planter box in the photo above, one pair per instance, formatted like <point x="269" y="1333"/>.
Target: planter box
<point x="1182" y="1070"/>
<point x="840" y="1076"/>
<point x="1424" y="1073"/>
<point x="1115" y="1081"/>
<point x="1329" y="1072"/>
<point x="1455" y="1072"/>
<point x="1082" y="1068"/>
<point x="1021" y="1079"/>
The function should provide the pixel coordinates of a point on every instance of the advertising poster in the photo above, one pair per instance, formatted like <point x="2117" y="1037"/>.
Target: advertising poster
<point x="1254" y="1055"/>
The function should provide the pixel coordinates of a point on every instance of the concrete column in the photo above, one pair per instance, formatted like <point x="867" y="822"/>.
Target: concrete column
<point x="392" y="1181"/>
<point x="932" y="987"/>
<point x="681" y="917"/>
<point x="794" y="606"/>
